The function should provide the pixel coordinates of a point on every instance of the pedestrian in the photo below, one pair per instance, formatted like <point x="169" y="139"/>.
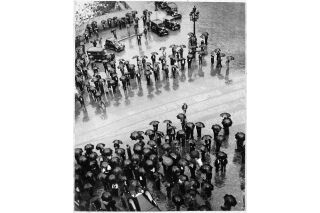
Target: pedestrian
<point x="192" y="168"/>
<point x="94" y="43"/>
<point x="219" y="60"/>
<point x="208" y="144"/>
<point x="114" y="33"/>
<point x="138" y="75"/>
<point x="156" y="73"/>
<point x="166" y="70"/>
<point x="81" y="100"/>
<point x="200" y="59"/>
<point x="189" y="62"/>
<point x="144" y="19"/>
<point x="86" y="37"/>
<point x="128" y="29"/>
<point x="198" y="128"/>
<point x="173" y="70"/>
<point x="224" y="163"/>
<point x="182" y="63"/>
<point x="184" y="108"/>
<point x="145" y="31"/>
<point x="181" y="52"/>
<point x="206" y="39"/>
<point x="139" y="39"/>
<point x="212" y="59"/>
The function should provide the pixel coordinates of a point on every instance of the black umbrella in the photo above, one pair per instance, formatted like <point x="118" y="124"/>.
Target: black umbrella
<point x="149" y="132"/>
<point x="93" y="155"/>
<point x="87" y="186"/>
<point x="217" y="50"/>
<point x="204" y="208"/>
<point x="146" y="151"/>
<point x="167" y="121"/>
<point x="154" y="53"/>
<point x="174" y="155"/>
<point x="78" y="151"/>
<point x="222" y="155"/>
<point x="106" y="196"/>
<point x="144" y="56"/>
<point x="230" y="200"/>
<point x="115" y="160"/>
<point x="135" y="135"/>
<point x="181" y="132"/>
<point x="162" y="48"/>
<point x="104" y="165"/>
<point x="194" y="154"/>
<point x="189" y="56"/>
<point x="226" y="122"/>
<point x="171" y="56"/>
<point x="225" y="115"/>
<point x="100" y="146"/>
<point x="190" y="34"/>
<point x="161" y="58"/>
<point x="123" y="78"/>
<point x="183" y="162"/>
<point x="137" y="148"/>
<point x="192" y="141"/>
<point x="117" y="142"/>
<point x="200" y="124"/>
<point x="148" y="63"/>
<point x="154" y="123"/>
<point x="220" y="138"/>
<point x="190" y="125"/>
<point x="166" y="146"/>
<point x="240" y="136"/>
<point x="153" y="157"/>
<point x="107" y="152"/>
<point x="135" y="157"/>
<point x="152" y="143"/>
<point x="183" y="178"/>
<point x="222" y="55"/>
<point x="89" y="175"/>
<point x="167" y="161"/>
<point x="207" y="186"/>
<point x="216" y="128"/>
<point x="117" y="170"/>
<point x="89" y="147"/>
<point x="177" y="200"/>
<point x="112" y="177"/>
<point x="206" y="137"/>
<point x="120" y="151"/>
<point x="136" y="56"/>
<point x="141" y="171"/>
<point x="127" y="162"/>
<point x="102" y="176"/>
<point x="149" y="163"/>
<point x="194" y="183"/>
<point x="181" y="116"/>
<point x="206" y="168"/>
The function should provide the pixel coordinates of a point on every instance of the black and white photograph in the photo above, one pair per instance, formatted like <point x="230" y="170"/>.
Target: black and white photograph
<point x="160" y="106"/>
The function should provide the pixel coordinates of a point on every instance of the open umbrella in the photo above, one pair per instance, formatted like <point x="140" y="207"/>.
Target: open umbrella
<point x="147" y="151"/>
<point x="194" y="154"/>
<point x="222" y="155"/>
<point x="112" y="178"/>
<point x="117" y="170"/>
<point x="175" y="66"/>
<point x="189" y="56"/>
<point x="206" y="168"/>
<point x="149" y="132"/>
<point x="149" y="163"/>
<point x="102" y="176"/>
<point x="135" y="157"/>
<point x="93" y="156"/>
<point x="137" y="148"/>
<point x="115" y="160"/>
<point x="240" y="136"/>
<point x="144" y="56"/>
<point x="230" y="58"/>
<point x="141" y="171"/>
<point x="181" y="116"/>
<point x="174" y="155"/>
<point x="216" y="128"/>
<point x="220" y="138"/>
<point x="123" y="78"/>
<point x="181" y="132"/>
<point x="120" y="151"/>
<point x="172" y="45"/>
<point x="183" y="162"/>
<point x="153" y="157"/>
<point x="154" y="53"/>
<point x="88" y="147"/>
<point x="190" y="125"/>
<point x="104" y="165"/>
<point x="194" y="183"/>
<point x="134" y="135"/>
<point x="202" y="53"/>
<point x="167" y="122"/>
<point x="166" y="146"/>
<point x="182" y="46"/>
<point x="205" y="33"/>
<point x="127" y="162"/>
<point x="226" y="122"/>
<point x="78" y="151"/>
<point x="167" y="161"/>
<point x="200" y="124"/>
<point x="117" y="142"/>
<point x="206" y="137"/>
<point x="230" y="200"/>
<point x="87" y="186"/>
<point x="160" y="134"/>
<point x="192" y="141"/>
<point x="152" y="143"/>
<point x="163" y="48"/>
<point x="190" y="34"/>
<point x="183" y="178"/>
<point x="217" y="50"/>
<point x="225" y="115"/>
<point x="222" y="55"/>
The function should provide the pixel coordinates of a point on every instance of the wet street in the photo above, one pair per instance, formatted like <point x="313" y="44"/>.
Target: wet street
<point x="206" y="93"/>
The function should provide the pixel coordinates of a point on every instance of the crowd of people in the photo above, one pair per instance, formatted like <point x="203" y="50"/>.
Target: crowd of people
<point x="175" y="163"/>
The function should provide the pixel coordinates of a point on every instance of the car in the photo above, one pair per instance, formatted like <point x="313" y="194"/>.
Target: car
<point x="175" y="15"/>
<point x="141" y="201"/>
<point x="171" y="7"/>
<point x="158" y="27"/>
<point x="161" y="4"/>
<point x="113" y="44"/>
<point x="97" y="53"/>
<point x="171" y="24"/>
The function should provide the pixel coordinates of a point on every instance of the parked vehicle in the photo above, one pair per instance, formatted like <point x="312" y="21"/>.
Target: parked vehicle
<point x="162" y="4"/>
<point x="97" y="53"/>
<point x="158" y="27"/>
<point x="171" y="24"/>
<point x="113" y="44"/>
<point x="141" y="201"/>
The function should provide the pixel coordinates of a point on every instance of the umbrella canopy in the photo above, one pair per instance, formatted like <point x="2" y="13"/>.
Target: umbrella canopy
<point x="181" y="116"/>
<point x="182" y="162"/>
<point x="89" y="147"/>
<point x="230" y="58"/>
<point x="136" y="56"/>
<point x="154" y="53"/>
<point x="222" y="155"/>
<point x="194" y="183"/>
<point x="117" y="141"/>
<point x="123" y="78"/>
<point x="102" y="176"/>
<point x="230" y="200"/>
<point x="112" y="177"/>
<point x="190" y="34"/>
<point x="135" y="157"/>
<point x="227" y="122"/>
<point x="171" y="56"/>
<point x="87" y="186"/>
<point x="127" y="162"/>
<point x="147" y="151"/>
<point x="190" y="125"/>
<point x="149" y="163"/>
<point x="192" y="141"/>
<point x="205" y="33"/>
<point x="149" y="132"/>
<point x="200" y="124"/>
<point x="161" y="58"/>
<point x="167" y="161"/>
<point x="115" y="160"/>
<point x="104" y="164"/>
<point x="182" y="46"/>
<point x="100" y="146"/>
<point x="240" y="136"/>
<point x="154" y="123"/>
<point x="181" y="132"/>
<point x="207" y="186"/>
<point x="216" y="128"/>
<point x="93" y="156"/>
<point x="106" y="196"/>
<point x="141" y="170"/>
<point x="144" y="56"/>
<point x="217" y="50"/>
<point x="206" y="137"/>
<point x="152" y="143"/>
<point x="222" y="55"/>
<point x="167" y="121"/>
<point x="163" y="48"/>
<point x="120" y="151"/>
<point x="183" y="178"/>
<point x="225" y="115"/>
<point x="153" y="157"/>
<point x="117" y="170"/>
<point x="78" y="151"/>
<point x="135" y="135"/>
<point x="172" y="46"/>
<point x="206" y="168"/>
<point x="107" y="152"/>
<point x="189" y="56"/>
<point x="166" y="146"/>
<point x="137" y="148"/>
<point x="194" y="154"/>
<point x="148" y="63"/>
<point x="174" y="155"/>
